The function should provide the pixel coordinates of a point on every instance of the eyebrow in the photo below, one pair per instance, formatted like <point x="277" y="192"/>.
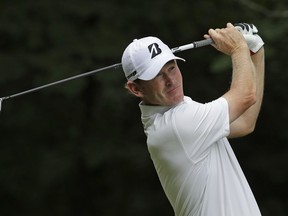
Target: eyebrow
<point x="170" y="62"/>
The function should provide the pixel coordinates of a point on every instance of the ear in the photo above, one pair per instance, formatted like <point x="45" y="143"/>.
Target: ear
<point x="135" y="89"/>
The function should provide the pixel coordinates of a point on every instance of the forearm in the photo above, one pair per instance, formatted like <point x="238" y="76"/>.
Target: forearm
<point x="252" y="113"/>
<point x="246" y="123"/>
<point x="244" y="73"/>
<point x="242" y="93"/>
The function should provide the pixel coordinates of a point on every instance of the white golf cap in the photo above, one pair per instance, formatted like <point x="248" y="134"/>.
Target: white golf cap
<point x="144" y="58"/>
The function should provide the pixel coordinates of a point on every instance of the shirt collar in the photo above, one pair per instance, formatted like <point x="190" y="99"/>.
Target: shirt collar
<point x="148" y="112"/>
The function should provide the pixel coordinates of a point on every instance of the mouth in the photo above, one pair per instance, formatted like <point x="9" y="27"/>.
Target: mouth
<point x="173" y="89"/>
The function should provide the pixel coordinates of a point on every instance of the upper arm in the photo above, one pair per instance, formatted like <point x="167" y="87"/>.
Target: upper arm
<point x="240" y="127"/>
<point x="238" y="104"/>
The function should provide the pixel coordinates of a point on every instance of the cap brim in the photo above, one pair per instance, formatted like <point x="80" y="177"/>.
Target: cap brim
<point x="155" y="68"/>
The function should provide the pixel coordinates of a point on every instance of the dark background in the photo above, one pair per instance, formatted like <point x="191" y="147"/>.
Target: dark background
<point x="78" y="148"/>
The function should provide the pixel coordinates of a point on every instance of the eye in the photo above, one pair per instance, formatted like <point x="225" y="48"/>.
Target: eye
<point x="171" y="68"/>
<point x="159" y="74"/>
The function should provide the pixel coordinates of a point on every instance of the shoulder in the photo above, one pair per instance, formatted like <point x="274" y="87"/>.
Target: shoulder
<point x="190" y="105"/>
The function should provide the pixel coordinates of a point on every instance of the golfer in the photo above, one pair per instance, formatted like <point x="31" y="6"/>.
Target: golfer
<point x="188" y="140"/>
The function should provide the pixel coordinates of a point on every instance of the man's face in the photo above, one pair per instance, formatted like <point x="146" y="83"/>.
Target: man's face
<point x="165" y="89"/>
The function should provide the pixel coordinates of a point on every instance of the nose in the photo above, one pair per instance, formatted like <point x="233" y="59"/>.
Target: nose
<point x="169" y="79"/>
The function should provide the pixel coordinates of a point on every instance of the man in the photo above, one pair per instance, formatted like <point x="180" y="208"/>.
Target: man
<point x="187" y="140"/>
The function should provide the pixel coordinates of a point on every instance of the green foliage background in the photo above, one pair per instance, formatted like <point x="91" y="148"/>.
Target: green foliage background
<point x="79" y="148"/>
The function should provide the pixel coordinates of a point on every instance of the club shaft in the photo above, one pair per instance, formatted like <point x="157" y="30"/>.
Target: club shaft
<point x="195" y="44"/>
<point x="115" y="66"/>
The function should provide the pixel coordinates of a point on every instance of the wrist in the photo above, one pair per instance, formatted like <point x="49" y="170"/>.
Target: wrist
<point x="242" y="49"/>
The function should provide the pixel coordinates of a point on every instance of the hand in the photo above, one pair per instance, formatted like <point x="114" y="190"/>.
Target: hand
<point x="250" y="33"/>
<point x="227" y="40"/>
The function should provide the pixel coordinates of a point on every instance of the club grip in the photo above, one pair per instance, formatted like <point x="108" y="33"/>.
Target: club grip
<point x="203" y="42"/>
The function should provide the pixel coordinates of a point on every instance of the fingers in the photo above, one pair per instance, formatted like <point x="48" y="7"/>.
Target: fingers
<point x="218" y="30"/>
<point x="229" y="30"/>
<point x="246" y="28"/>
<point x="227" y="40"/>
<point x="206" y="36"/>
<point x="229" y="25"/>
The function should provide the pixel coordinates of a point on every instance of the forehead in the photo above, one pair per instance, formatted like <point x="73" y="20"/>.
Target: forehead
<point x="173" y="61"/>
<point x="169" y="63"/>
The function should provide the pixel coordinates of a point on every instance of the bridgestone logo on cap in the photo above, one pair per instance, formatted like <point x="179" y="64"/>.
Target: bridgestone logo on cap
<point x="154" y="50"/>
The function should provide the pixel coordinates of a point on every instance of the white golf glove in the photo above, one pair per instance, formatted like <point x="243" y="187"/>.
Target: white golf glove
<point x="249" y="32"/>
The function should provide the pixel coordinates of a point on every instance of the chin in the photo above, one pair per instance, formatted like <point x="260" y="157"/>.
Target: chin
<point x="177" y="100"/>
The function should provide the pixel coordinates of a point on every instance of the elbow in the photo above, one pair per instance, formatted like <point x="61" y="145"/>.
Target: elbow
<point x="249" y="128"/>
<point x="254" y="96"/>
<point x="251" y="99"/>
<point x="244" y="129"/>
<point x="250" y="123"/>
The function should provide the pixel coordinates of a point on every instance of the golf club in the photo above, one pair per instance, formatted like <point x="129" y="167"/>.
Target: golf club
<point x="195" y="44"/>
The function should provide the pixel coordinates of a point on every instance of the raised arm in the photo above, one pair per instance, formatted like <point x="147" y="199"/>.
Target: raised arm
<point x="246" y="123"/>
<point x="242" y="93"/>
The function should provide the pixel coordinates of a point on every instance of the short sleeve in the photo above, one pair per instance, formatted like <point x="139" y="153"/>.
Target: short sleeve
<point x="198" y="126"/>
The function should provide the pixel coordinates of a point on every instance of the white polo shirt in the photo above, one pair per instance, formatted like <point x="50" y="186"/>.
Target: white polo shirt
<point x="194" y="160"/>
